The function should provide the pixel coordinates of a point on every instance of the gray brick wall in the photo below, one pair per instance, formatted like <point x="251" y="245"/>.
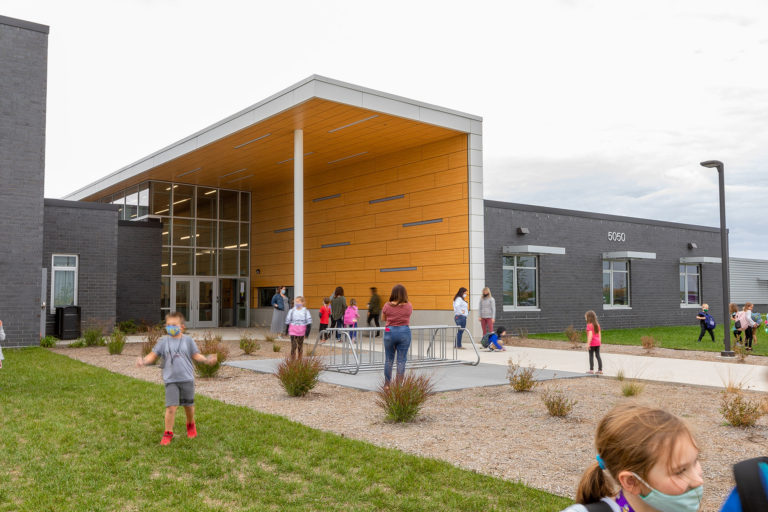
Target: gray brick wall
<point x="139" y="246"/>
<point x="89" y="230"/>
<point x="23" y="70"/>
<point x="571" y="284"/>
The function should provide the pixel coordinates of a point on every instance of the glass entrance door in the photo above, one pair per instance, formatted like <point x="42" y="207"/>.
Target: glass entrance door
<point x="205" y="312"/>
<point x="196" y="299"/>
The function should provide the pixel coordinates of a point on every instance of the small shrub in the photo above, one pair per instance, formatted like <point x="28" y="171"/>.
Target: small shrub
<point x="649" y="343"/>
<point x="739" y="411"/>
<point x="574" y="336"/>
<point x="128" y="327"/>
<point x="741" y="352"/>
<point x="116" y="342"/>
<point x="620" y="375"/>
<point x="299" y="375"/>
<point x="48" y="342"/>
<point x="403" y="398"/>
<point x="211" y="344"/>
<point x="557" y="402"/>
<point x="77" y="343"/>
<point x="522" y="333"/>
<point x="94" y="337"/>
<point x="248" y="344"/>
<point x="150" y="340"/>
<point x="520" y="377"/>
<point x="631" y="388"/>
<point x="275" y="347"/>
<point x="270" y="338"/>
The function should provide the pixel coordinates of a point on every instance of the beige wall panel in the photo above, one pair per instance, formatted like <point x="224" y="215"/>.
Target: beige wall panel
<point x="384" y="261"/>
<point x="408" y="245"/>
<point x="438" y="257"/>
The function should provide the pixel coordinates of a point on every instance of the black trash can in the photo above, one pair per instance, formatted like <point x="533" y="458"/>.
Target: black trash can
<point x="68" y="322"/>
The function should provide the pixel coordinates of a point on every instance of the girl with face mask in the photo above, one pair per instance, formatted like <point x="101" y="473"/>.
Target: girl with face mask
<point x="460" y="312"/>
<point x="647" y="461"/>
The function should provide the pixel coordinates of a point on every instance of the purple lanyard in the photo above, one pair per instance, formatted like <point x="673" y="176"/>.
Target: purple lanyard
<point x="623" y="504"/>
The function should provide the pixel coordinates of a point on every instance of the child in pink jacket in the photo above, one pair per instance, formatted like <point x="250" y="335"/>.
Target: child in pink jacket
<point x="350" y="318"/>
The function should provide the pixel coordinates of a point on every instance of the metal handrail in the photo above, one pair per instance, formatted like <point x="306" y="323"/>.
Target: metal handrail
<point x="357" y="349"/>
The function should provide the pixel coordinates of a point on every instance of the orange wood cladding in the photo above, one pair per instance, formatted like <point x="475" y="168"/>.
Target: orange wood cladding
<point x="433" y="180"/>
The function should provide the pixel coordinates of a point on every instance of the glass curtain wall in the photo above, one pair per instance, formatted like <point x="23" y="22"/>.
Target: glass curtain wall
<point x="206" y="231"/>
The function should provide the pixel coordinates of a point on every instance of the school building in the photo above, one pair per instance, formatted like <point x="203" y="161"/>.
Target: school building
<point x="322" y="184"/>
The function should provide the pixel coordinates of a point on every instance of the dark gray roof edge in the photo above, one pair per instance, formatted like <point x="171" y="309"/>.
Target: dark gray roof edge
<point x="593" y="215"/>
<point x="27" y="25"/>
<point x="86" y="205"/>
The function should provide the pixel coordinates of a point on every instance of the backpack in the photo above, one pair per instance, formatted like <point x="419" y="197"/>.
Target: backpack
<point x="709" y="322"/>
<point x="751" y="492"/>
<point x="598" y="506"/>
<point x="486" y="340"/>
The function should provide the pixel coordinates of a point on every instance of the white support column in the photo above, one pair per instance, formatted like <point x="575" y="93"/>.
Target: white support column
<point x="298" y="213"/>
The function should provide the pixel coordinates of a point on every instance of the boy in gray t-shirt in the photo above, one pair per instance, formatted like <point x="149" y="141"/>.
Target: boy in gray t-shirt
<point x="177" y="350"/>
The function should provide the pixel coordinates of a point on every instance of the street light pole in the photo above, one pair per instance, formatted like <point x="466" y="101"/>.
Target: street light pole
<point x="716" y="164"/>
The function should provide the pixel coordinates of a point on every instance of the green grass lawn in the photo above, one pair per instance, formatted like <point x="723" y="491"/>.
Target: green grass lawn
<point x="678" y="337"/>
<point x="78" y="438"/>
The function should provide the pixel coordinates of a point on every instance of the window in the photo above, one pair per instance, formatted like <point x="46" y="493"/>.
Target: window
<point x="265" y="295"/>
<point x="615" y="283"/>
<point x="690" y="285"/>
<point x="520" y="278"/>
<point x="63" y="281"/>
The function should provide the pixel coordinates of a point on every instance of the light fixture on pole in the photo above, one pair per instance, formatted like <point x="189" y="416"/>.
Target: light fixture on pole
<point x="716" y="164"/>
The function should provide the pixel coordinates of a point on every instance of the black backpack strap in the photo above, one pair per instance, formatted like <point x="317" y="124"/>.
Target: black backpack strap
<point x="599" y="506"/>
<point x="749" y="485"/>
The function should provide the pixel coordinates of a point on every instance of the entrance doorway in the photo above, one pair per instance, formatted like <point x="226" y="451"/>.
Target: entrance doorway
<point x="233" y="303"/>
<point x="195" y="298"/>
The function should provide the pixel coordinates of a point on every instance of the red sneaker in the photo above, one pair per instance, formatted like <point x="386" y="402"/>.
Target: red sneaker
<point x="191" y="430"/>
<point x="166" y="440"/>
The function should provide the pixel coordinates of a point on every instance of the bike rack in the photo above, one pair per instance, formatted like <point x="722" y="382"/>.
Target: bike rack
<point x="361" y="349"/>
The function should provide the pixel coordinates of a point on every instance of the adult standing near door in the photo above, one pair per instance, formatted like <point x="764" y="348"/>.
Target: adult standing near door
<point x="280" y="308"/>
<point x="487" y="311"/>
<point x="460" y="312"/>
<point x="374" y="308"/>
<point x="397" y="336"/>
<point x="338" y="307"/>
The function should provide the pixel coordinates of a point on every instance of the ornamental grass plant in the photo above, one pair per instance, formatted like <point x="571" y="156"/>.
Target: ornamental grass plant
<point x="298" y="376"/>
<point x="404" y="398"/>
<point x="211" y="344"/>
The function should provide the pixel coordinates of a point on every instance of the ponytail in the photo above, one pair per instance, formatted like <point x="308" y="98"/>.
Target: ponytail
<point x="594" y="485"/>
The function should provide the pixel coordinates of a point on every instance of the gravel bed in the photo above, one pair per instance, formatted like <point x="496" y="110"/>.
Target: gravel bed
<point x="490" y="430"/>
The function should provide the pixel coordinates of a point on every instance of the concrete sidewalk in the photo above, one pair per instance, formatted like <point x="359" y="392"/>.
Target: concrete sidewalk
<point x="682" y="371"/>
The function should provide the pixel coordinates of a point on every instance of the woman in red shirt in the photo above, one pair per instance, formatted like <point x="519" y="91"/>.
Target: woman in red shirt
<point x="397" y="335"/>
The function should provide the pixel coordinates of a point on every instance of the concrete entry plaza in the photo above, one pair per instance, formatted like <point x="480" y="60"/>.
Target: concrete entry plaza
<point x="449" y="378"/>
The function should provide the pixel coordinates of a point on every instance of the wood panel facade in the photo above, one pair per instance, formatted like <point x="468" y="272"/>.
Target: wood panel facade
<point x="364" y="217"/>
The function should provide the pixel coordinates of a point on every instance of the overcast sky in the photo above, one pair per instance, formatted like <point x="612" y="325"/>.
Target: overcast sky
<point x="604" y="106"/>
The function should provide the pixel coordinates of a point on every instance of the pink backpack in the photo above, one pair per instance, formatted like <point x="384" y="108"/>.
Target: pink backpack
<point x="350" y="315"/>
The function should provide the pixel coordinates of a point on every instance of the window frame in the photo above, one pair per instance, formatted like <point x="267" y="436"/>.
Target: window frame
<point x="611" y="272"/>
<point x="55" y="268"/>
<point x="685" y="274"/>
<point x="514" y="268"/>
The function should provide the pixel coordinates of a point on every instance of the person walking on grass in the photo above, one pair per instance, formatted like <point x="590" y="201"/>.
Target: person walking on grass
<point x="487" y="311"/>
<point x="280" y="306"/>
<point x="647" y="460"/>
<point x="338" y="307"/>
<point x="177" y="350"/>
<point x="2" y="338"/>
<point x="374" y="308"/>
<point x="397" y="333"/>
<point x="593" y="342"/>
<point x="733" y="309"/>
<point x="748" y="325"/>
<point x="460" y="312"/>
<point x="707" y="322"/>
<point x="299" y="321"/>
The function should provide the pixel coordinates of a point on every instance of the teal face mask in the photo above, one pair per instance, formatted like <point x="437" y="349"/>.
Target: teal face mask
<point x="689" y="501"/>
<point x="173" y="330"/>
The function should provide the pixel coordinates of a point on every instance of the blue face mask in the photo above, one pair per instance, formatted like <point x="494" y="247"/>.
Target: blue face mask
<point x="173" y="330"/>
<point x="689" y="501"/>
